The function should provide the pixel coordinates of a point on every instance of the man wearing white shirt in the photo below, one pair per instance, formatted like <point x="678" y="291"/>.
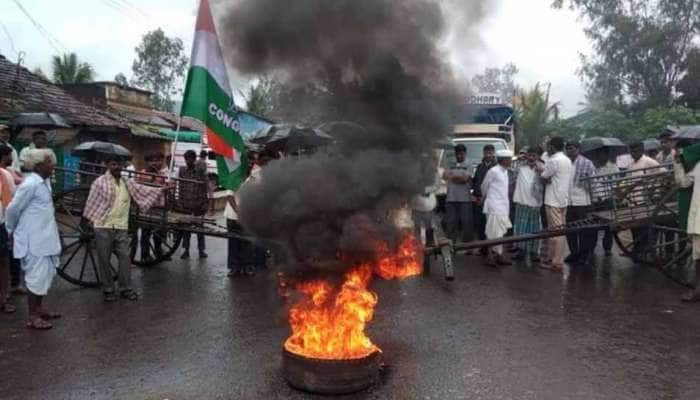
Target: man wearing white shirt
<point x="667" y="152"/>
<point x="494" y="188"/>
<point x="641" y="165"/>
<point x="528" y="197"/>
<point x="557" y="176"/>
<point x="31" y="222"/>
<point x="581" y="244"/>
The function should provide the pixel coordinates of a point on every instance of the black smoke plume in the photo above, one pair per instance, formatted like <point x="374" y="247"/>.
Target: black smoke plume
<point x="375" y="63"/>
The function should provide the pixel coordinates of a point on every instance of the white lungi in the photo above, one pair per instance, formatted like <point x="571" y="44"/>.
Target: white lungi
<point x="39" y="273"/>
<point x="496" y="226"/>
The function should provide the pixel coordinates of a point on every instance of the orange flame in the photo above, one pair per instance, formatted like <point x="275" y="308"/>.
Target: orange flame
<point x="329" y="323"/>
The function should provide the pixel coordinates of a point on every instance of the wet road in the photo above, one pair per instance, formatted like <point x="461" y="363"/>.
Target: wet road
<point x="516" y="333"/>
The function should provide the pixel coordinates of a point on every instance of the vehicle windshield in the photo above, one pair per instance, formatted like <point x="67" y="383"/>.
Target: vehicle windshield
<point x="475" y="151"/>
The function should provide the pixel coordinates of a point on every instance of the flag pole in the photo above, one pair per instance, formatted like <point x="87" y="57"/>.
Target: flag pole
<point x="174" y="148"/>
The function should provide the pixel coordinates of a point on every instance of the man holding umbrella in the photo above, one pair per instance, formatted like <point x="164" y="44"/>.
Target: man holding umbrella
<point x="107" y="207"/>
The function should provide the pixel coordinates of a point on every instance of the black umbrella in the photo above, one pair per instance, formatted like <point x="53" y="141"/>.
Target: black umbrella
<point x="290" y="138"/>
<point x="595" y="143"/>
<point x="101" y="148"/>
<point x="651" y="144"/>
<point x="688" y="133"/>
<point x="38" y="120"/>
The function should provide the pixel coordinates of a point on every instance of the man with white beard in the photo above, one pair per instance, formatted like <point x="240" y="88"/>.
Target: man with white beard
<point x="32" y="224"/>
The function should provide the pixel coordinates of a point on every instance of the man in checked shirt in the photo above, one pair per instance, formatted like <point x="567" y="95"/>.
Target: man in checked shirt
<point x="107" y="207"/>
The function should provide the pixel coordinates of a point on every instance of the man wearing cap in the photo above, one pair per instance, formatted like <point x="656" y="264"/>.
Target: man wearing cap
<point x="494" y="189"/>
<point x="487" y="162"/>
<point x="458" y="201"/>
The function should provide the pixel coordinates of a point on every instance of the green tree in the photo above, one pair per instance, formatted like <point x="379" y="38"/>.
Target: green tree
<point x="68" y="69"/>
<point x="653" y="121"/>
<point x="625" y="125"/>
<point x="259" y="98"/>
<point x="121" y="79"/>
<point x="533" y="111"/>
<point x="40" y="73"/>
<point x="497" y="80"/>
<point x="160" y="67"/>
<point x="641" y="47"/>
<point x="689" y="86"/>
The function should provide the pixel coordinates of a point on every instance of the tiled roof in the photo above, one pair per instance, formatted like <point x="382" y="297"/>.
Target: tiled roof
<point x="22" y="91"/>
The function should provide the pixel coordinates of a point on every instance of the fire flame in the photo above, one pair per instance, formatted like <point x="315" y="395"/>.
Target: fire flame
<point x="329" y="322"/>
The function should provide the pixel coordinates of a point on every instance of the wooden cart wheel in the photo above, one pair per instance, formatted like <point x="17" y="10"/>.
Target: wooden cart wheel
<point x="661" y="244"/>
<point x="162" y="244"/>
<point x="78" y="263"/>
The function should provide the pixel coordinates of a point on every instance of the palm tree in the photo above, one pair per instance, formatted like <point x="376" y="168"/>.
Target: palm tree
<point x="67" y="69"/>
<point x="533" y="111"/>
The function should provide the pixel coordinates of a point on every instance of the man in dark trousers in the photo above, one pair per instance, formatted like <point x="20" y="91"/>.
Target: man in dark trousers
<point x="194" y="199"/>
<point x="458" y="206"/>
<point x="581" y="244"/>
<point x="486" y="164"/>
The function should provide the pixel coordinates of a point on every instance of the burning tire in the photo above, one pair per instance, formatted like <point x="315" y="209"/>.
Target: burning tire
<point x="331" y="376"/>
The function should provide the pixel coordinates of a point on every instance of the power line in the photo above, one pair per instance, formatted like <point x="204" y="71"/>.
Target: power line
<point x="55" y="43"/>
<point x="132" y="6"/>
<point x="118" y="8"/>
<point x="9" y="38"/>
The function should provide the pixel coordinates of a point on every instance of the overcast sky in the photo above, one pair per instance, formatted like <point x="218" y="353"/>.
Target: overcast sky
<point x="544" y="43"/>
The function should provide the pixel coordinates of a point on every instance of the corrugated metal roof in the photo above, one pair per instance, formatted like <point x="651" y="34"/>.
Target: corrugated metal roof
<point x="146" y="132"/>
<point x="22" y="91"/>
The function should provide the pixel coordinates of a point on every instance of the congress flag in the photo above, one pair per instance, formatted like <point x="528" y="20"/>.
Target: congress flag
<point x="208" y="98"/>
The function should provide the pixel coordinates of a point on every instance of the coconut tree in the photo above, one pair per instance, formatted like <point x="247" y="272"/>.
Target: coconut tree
<point x="68" y="69"/>
<point x="533" y="111"/>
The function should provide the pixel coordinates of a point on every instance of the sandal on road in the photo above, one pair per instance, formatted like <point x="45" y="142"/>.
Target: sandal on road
<point x="39" y="324"/>
<point x="129" y="295"/>
<point x="7" y="308"/>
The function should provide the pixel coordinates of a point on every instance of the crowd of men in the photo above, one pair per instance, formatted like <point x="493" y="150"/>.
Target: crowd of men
<point x="30" y="245"/>
<point x="503" y="196"/>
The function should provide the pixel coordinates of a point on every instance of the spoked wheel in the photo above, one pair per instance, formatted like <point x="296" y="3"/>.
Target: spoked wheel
<point x="151" y="245"/>
<point x="78" y="257"/>
<point x="665" y="248"/>
<point x="660" y="244"/>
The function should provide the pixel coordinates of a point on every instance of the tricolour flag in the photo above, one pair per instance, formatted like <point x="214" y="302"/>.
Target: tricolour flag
<point x="208" y="99"/>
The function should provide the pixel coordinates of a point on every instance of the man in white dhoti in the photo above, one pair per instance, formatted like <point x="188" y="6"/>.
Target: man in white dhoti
<point x="494" y="188"/>
<point x="32" y="224"/>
